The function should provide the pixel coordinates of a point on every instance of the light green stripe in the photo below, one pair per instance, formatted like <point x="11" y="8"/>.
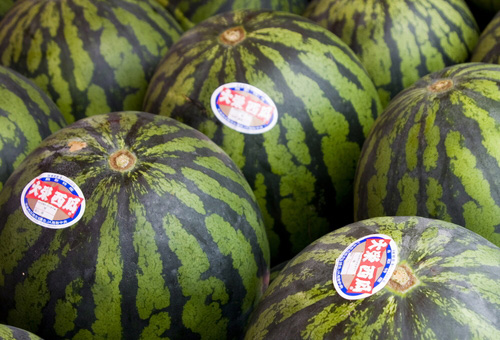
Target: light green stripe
<point x="66" y="309"/>
<point x="434" y="204"/>
<point x="58" y="83"/>
<point x="33" y="294"/>
<point x="432" y="137"/>
<point x="408" y="49"/>
<point x="488" y="126"/>
<point x="152" y="293"/>
<point x="360" y="328"/>
<point x="479" y="327"/>
<point x="377" y="185"/>
<point x="158" y="324"/>
<point x="261" y="194"/>
<point x="15" y="242"/>
<point x="233" y="144"/>
<point x="289" y="306"/>
<point x="412" y="146"/>
<point x="408" y="188"/>
<point x="217" y="165"/>
<point x="296" y="192"/>
<point x="27" y="14"/>
<point x="161" y="186"/>
<point x="198" y="316"/>
<point x="234" y="243"/>
<point x="50" y="18"/>
<point x="109" y="269"/>
<point x="481" y="214"/>
<point x="321" y="324"/>
<point x="240" y="206"/>
<point x="83" y="68"/>
<point x="149" y="130"/>
<point x="34" y="57"/>
<point x="98" y="102"/>
<point x="148" y="37"/>
<point x="329" y="123"/>
<point x="181" y="87"/>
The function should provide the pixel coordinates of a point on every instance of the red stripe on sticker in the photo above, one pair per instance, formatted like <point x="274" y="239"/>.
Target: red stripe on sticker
<point x="64" y="201"/>
<point x="240" y="101"/>
<point x="365" y="277"/>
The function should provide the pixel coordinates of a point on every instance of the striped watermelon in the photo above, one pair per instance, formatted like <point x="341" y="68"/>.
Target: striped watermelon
<point x="301" y="170"/>
<point x="90" y="56"/>
<point x="170" y="244"/>
<point x="445" y="286"/>
<point x="191" y="12"/>
<point x="27" y="115"/>
<point x="487" y="49"/>
<point x="434" y="152"/>
<point x="14" y="333"/>
<point x="400" y="41"/>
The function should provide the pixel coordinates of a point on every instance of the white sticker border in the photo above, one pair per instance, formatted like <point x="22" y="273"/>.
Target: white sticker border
<point x="386" y="274"/>
<point x="31" y="215"/>
<point x="235" y="125"/>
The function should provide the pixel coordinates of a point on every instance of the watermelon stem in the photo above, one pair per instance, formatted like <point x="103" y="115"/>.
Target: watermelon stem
<point x="122" y="160"/>
<point x="402" y="279"/>
<point x="441" y="85"/>
<point x="232" y="36"/>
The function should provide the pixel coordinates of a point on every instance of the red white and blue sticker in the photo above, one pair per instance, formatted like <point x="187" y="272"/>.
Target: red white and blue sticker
<point x="244" y="108"/>
<point x="365" y="267"/>
<point x="53" y="201"/>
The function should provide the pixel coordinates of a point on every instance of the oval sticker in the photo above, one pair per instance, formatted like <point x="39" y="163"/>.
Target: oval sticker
<point x="244" y="108"/>
<point x="53" y="201"/>
<point x="365" y="267"/>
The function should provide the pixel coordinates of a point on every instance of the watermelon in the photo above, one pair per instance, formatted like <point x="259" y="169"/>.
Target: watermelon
<point x="487" y="49"/>
<point x="14" y="333"/>
<point x="191" y="12"/>
<point x="433" y="152"/>
<point x="169" y="242"/>
<point x="400" y="41"/>
<point x="90" y="56"/>
<point x="27" y="116"/>
<point x="445" y="286"/>
<point x="301" y="169"/>
<point x="5" y="5"/>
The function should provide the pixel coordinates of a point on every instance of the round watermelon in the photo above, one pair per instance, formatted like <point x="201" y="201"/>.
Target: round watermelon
<point x="90" y="56"/>
<point x="130" y="225"/>
<point x="191" y="12"/>
<point x="14" y="333"/>
<point x="400" y="41"/>
<point x="487" y="49"/>
<point x="27" y="116"/>
<point x="434" y="152"/>
<point x="300" y="106"/>
<point x="444" y="286"/>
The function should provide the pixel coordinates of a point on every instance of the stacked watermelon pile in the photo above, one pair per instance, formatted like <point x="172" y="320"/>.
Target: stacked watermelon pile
<point x="217" y="169"/>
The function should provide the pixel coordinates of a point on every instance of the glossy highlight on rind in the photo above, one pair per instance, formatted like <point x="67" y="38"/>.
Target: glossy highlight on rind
<point x="90" y="56"/>
<point x="173" y="247"/>
<point x="455" y="296"/>
<point x="301" y="170"/>
<point x="435" y="154"/>
<point x="400" y="41"/>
